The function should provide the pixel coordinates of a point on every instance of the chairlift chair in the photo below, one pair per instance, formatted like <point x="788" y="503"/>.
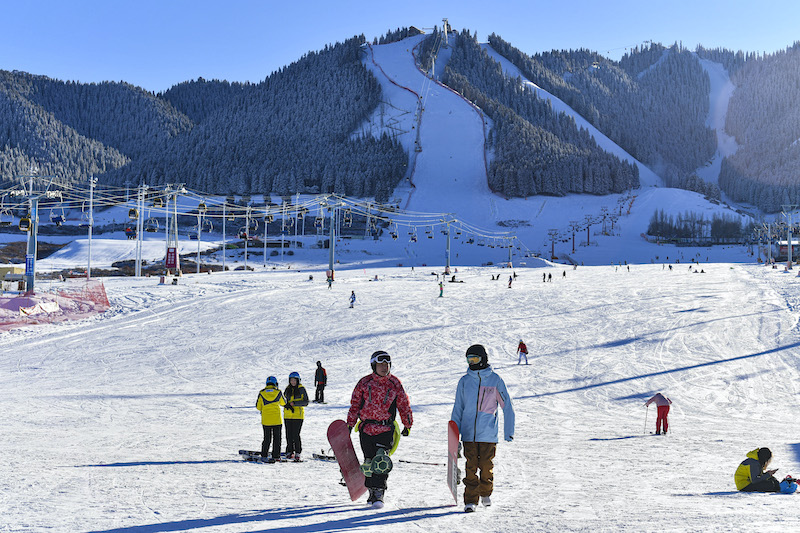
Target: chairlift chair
<point x="201" y="207"/>
<point x="151" y="225"/>
<point x="57" y="218"/>
<point x="133" y="214"/>
<point x="25" y="223"/>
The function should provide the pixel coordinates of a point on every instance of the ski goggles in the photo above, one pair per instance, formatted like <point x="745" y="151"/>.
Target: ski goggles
<point x="473" y="359"/>
<point x="380" y="357"/>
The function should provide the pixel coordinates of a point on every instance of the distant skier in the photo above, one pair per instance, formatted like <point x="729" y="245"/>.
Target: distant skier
<point x="752" y="476"/>
<point x="269" y="402"/>
<point x="352" y="298"/>
<point x="663" y="404"/>
<point x="522" y="351"/>
<point x="544" y="277"/>
<point x="293" y="414"/>
<point x="375" y="401"/>
<point x="549" y="277"/>
<point x="441" y="289"/>
<point x="478" y="395"/>
<point x="330" y="282"/>
<point x="510" y="280"/>
<point x="320" y="380"/>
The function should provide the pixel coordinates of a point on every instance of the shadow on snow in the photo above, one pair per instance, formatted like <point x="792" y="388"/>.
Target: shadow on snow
<point x="365" y="519"/>
<point x="663" y="372"/>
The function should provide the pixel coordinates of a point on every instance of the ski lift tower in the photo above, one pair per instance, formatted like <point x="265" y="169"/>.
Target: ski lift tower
<point x="445" y="30"/>
<point x="172" y="259"/>
<point x="32" y="226"/>
<point x="788" y="211"/>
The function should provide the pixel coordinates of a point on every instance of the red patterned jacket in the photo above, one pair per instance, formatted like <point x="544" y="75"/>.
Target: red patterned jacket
<point x="375" y="401"/>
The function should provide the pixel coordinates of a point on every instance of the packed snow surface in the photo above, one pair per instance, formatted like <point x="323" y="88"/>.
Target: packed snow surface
<point x="131" y="421"/>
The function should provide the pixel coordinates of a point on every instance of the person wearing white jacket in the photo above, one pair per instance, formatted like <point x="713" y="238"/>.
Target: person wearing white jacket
<point x="478" y="395"/>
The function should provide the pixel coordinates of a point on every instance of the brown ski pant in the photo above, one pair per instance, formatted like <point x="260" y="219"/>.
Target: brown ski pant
<point x="479" y="455"/>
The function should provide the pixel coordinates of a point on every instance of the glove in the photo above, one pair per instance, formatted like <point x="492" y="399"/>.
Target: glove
<point x="405" y="432"/>
<point x="510" y="438"/>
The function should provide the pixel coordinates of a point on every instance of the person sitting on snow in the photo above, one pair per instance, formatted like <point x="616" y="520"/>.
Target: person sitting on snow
<point x="751" y="475"/>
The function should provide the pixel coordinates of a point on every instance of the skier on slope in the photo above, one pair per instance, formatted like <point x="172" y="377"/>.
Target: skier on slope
<point x="375" y="401"/>
<point x="752" y="476"/>
<point x="352" y="298"/>
<point x="522" y="350"/>
<point x="320" y="380"/>
<point x="293" y="414"/>
<point x="478" y="395"/>
<point x="663" y="403"/>
<point x="269" y="402"/>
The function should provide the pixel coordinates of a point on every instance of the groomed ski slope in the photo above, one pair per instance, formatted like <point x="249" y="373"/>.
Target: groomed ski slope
<point x="130" y="422"/>
<point x="449" y="173"/>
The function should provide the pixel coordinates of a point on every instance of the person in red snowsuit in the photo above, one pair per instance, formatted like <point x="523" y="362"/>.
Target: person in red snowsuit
<point x="376" y="400"/>
<point x="663" y="404"/>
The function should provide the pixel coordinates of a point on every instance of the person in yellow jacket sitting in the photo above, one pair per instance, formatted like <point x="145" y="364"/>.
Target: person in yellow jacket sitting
<point x="752" y="476"/>
<point x="293" y="415"/>
<point x="269" y="402"/>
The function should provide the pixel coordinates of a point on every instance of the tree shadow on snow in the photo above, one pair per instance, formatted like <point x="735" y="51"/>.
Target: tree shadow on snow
<point x="663" y="372"/>
<point x="161" y="463"/>
<point x="796" y="451"/>
<point x="626" y="437"/>
<point x="326" y="514"/>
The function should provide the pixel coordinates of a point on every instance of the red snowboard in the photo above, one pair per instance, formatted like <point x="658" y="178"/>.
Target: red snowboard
<point x="452" y="458"/>
<point x="342" y="445"/>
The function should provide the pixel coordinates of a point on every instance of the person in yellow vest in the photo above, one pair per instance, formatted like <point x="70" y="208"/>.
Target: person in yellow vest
<point x="752" y="475"/>
<point x="293" y="415"/>
<point x="269" y="402"/>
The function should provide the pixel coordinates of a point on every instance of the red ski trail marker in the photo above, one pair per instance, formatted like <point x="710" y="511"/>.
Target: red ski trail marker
<point x="342" y="445"/>
<point x="452" y="458"/>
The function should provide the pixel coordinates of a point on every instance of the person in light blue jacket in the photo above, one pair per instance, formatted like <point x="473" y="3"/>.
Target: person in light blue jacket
<point x="478" y="395"/>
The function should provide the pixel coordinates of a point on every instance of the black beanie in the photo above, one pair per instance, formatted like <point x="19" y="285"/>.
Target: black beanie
<point x="764" y="455"/>
<point x="478" y="349"/>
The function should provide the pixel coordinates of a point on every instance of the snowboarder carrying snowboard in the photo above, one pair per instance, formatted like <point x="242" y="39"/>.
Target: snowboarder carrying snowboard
<point x="478" y="395"/>
<point x="375" y="401"/>
<point x="752" y="476"/>
<point x="320" y="380"/>
<point x="663" y="404"/>
<point x="269" y="402"/>
<point x="293" y="414"/>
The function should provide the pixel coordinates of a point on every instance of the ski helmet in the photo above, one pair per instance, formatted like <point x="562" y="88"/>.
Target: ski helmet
<point x="272" y="380"/>
<point x="477" y="350"/>
<point x="380" y="357"/>
<point x="295" y="375"/>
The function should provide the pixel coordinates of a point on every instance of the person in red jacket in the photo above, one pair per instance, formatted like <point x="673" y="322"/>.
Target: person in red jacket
<point x="663" y="404"/>
<point x="376" y="400"/>
<point x="522" y="351"/>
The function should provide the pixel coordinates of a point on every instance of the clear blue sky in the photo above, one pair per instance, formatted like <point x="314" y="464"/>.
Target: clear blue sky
<point x="158" y="43"/>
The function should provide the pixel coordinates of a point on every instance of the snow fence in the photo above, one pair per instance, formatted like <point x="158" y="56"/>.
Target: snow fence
<point x="73" y="299"/>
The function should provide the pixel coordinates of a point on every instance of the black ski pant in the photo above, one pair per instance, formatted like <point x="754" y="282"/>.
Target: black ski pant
<point x="319" y="396"/>
<point x="370" y="444"/>
<point x="768" y="485"/>
<point x="272" y="434"/>
<point x="293" y="426"/>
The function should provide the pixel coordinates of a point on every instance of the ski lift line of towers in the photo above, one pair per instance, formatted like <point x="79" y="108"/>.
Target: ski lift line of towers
<point x="773" y="233"/>
<point x="339" y="209"/>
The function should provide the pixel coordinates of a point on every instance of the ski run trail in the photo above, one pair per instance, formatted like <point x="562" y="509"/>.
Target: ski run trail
<point x="132" y="421"/>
